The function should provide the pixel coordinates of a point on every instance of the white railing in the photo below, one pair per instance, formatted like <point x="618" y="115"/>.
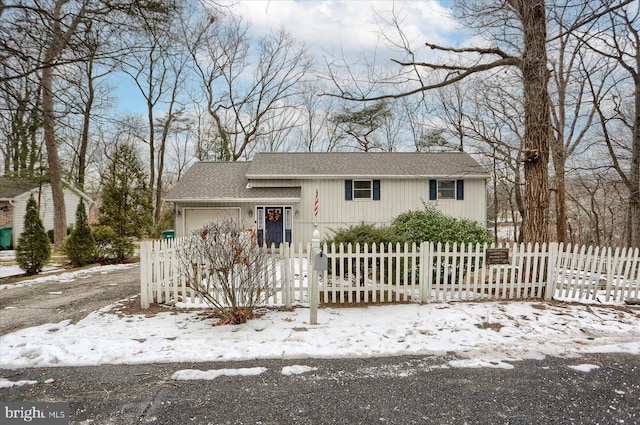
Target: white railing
<point x="429" y="272"/>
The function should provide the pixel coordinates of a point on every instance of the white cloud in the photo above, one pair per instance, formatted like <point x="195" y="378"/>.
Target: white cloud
<point x="329" y="27"/>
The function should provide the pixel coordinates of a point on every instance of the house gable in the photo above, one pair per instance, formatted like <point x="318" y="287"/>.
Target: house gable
<point x="14" y="194"/>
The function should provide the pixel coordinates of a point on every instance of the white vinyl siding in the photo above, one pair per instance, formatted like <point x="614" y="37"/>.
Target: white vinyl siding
<point x="397" y="196"/>
<point x="71" y="201"/>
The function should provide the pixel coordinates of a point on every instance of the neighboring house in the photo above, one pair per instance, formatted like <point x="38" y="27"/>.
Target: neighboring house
<point x="14" y="194"/>
<point x="275" y="192"/>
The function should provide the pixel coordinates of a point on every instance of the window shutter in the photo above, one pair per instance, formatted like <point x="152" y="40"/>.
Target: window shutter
<point x="376" y="190"/>
<point x="459" y="190"/>
<point x="433" y="190"/>
<point x="348" y="190"/>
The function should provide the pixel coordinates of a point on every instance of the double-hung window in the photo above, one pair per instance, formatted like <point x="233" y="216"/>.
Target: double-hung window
<point x="446" y="189"/>
<point x="362" y="190"/>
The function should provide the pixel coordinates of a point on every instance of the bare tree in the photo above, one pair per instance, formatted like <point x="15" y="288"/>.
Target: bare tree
<point x="528" y="19"/>
<point x="20" y="122"/>
<point x="223" y="263"/>
<point x="243" y="80"/>
<point x="83" y="97"/>
<point x="571" y="114"/>
<point x="317" y="132"/>
<point x="595" y="198"/>
<point x="159" y="73"/>
<point x="618" y="41"/>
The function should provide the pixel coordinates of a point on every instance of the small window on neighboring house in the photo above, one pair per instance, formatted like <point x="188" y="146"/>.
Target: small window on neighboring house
<point x="446" y="189"/>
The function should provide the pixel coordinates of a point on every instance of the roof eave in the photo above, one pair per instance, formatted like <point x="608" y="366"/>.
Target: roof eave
<point x="244" y="200"/>
<point x="360" y="176"/>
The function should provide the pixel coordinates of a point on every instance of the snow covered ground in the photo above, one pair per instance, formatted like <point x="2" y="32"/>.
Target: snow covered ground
<point x="8" y="267"/>
<point x="482" y="334"/>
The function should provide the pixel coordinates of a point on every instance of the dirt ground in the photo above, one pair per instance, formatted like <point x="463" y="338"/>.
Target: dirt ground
<point x="51" y="302"/>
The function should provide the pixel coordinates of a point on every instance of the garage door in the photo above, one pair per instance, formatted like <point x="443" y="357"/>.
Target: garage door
<point x="197" y="218"/>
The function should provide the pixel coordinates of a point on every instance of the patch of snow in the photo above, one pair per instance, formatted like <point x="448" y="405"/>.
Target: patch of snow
<point x="297" y="370"/>
<point x="208" y="375"/>
<point x="67" y="276"/>
<point x="585" y="367"/>
<point x="5" y="383"/>
<point x="479" y="363"/>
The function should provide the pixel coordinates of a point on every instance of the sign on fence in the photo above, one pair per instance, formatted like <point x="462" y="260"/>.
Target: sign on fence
<point x="497" y="256"/>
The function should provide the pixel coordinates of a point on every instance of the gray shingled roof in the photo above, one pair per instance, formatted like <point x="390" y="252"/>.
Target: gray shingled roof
<point x="360" y="164"/>
<point x="11" y="188"/>
<point x="221" y="181"/>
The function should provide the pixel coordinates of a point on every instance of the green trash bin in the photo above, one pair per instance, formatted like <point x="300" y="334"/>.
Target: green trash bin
<point x="5" y="237"/>
<point x="168" y="234"/>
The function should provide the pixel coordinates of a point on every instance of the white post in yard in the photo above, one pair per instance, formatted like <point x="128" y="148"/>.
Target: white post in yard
<point x="144" y="284"/>
<point x="313" y="288"/>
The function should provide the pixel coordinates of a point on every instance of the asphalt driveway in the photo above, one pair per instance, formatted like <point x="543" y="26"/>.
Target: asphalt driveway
<point x="73" y="299"/>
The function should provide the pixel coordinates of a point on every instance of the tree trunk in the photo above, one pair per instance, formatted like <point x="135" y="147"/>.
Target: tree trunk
<point x="152" y="145"/>
<point x="519" y="205"/>
<point x="537" y="119"/>
<point x="55" y="177"/>
<point x="634" y="174"/>
<point x="59" y="40"/>
<point x="560" y="197"/>
<point x="84" y="139"/>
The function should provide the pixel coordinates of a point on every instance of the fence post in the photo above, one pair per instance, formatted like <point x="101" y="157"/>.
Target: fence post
<point x="285" y="284"/>
<point x="551" y="279"/>
<point x="313" y="288"/>
<point x="144" y="294"/>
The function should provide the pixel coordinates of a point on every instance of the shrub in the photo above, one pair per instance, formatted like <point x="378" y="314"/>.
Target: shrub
<point x="363" y="233"/>
<point x="111" y="248"/>
<point x="235" y="267"/>
<point x="50" y="233"/>
<point x="33" y="249"/>
<point x="80" y="246"/>
<point x="126" y="204"/>
<point x="432" y="225"/>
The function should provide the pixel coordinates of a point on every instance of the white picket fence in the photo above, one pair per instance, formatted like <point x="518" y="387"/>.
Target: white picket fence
<point x="425" y="273"/>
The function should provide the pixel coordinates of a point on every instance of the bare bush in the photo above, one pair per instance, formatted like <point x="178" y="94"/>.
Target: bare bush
<point x="224" y="264"/>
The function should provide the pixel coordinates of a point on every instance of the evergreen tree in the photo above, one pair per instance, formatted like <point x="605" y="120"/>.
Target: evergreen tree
<point x="126" y="198"/>
<point x="80" y="246"/>
<point x="33" y="250"/>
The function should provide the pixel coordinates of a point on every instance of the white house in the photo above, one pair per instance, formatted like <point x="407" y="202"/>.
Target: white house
<point x="275" y="193"/>
<point x="14" y="194"/>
